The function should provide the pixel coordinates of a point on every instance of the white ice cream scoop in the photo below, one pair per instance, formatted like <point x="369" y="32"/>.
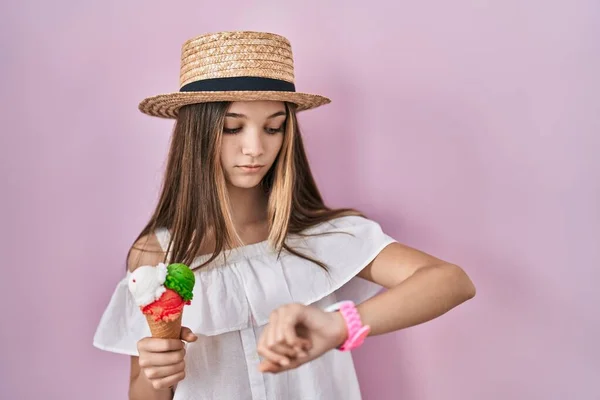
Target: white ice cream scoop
<point x="146" y="283"/>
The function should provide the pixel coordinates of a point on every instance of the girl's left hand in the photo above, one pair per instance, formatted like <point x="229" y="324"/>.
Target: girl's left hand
<point x="297" y="334"/>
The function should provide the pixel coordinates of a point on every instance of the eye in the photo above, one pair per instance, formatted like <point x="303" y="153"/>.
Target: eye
<point x="272" y="131"/>
<point x="231" y="130"/>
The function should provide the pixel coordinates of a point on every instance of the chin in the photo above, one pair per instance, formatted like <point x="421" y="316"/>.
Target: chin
<point x="245" y="183"/>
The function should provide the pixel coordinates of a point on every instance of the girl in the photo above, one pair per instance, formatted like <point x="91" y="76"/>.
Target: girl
<point x="272" y="261"/>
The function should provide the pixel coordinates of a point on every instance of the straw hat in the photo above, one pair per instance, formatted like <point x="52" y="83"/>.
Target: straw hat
<point x="233" y="66"/>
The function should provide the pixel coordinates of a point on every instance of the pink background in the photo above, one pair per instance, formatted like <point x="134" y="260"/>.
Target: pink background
<point x="468" y="129"/>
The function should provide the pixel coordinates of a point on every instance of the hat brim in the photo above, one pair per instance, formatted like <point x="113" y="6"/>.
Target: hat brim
<point x="167" y="105"/>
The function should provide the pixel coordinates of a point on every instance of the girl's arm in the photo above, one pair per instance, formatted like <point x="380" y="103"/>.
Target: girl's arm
<point x="421" y="287"/>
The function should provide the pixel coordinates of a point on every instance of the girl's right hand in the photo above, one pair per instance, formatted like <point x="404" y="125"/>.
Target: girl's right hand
<point x="162" y="360"/>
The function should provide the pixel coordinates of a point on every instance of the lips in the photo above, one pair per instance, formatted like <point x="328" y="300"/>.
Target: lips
<point x="250" y="167"/>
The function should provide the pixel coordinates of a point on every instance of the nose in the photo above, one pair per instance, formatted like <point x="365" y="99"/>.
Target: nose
<point x="252" y="145"/>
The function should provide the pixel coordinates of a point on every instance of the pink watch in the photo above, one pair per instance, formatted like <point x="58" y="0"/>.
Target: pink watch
<point x="357" y="332"/>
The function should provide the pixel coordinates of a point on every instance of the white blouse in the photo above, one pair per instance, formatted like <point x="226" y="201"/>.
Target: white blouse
<point x="233" y="298"/>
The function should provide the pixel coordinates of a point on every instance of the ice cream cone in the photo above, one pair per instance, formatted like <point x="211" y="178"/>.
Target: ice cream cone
<point x="165" y="329"/>
<point x="161" y="293"/>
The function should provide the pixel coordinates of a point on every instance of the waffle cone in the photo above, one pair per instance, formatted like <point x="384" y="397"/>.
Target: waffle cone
<point x="165" y="329"/>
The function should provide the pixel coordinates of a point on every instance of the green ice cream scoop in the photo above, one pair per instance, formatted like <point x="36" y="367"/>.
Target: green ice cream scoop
<point x="181" y="279"/>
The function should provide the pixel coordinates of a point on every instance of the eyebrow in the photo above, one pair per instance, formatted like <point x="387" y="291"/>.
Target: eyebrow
<point x="236" y="115"/>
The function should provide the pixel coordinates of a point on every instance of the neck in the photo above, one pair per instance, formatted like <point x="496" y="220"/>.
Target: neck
<point x="248" y="206"/>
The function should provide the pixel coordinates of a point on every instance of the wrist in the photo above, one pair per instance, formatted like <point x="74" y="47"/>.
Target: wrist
<point x="341" y="329"/>
<point x="354" y="332"/>
<point x="141" y="388"/>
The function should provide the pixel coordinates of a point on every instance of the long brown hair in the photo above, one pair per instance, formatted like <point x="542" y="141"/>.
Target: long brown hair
<point x="193" y="201"/>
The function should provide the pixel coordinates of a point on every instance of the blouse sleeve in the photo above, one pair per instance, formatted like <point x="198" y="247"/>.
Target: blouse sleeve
<point x="366" y="244"/>
<point x="122" y="324"/>
<point x="346" y="246"/>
